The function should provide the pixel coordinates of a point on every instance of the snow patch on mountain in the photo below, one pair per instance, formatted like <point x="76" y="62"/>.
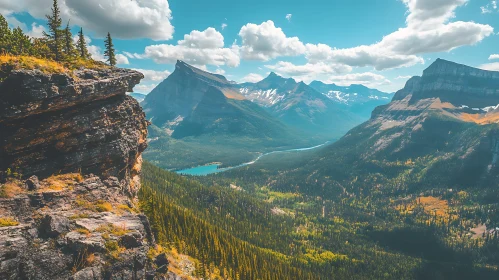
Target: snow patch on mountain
<point x="265" y="98"/>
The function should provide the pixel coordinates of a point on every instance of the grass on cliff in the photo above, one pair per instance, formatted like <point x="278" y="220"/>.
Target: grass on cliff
<point x="10" y="62"/>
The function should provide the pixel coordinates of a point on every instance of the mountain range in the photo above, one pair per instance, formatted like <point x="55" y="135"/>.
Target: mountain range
<point x="201" y="111"/>
<point x="439" y="131"/>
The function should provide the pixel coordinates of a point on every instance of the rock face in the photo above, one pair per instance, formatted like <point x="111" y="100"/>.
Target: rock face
<point x="71" y="155"/>
<point x="57" y="124"/>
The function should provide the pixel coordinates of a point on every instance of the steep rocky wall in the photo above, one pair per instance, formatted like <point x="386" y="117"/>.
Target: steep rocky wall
<point x="73" y="146"/>
<point x="57" y="123"/>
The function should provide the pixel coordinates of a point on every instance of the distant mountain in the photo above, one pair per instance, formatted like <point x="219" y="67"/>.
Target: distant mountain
<point x="357" y="99"/>
<point x="138" y="96"/>
<point x="440" y="131"/>
<point x="300" y="106"/>
<point x="199" y="117"/>
<point x="192" y="102"/>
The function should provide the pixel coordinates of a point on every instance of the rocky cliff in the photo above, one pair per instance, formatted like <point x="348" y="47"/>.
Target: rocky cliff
<point x="71" y="154"/>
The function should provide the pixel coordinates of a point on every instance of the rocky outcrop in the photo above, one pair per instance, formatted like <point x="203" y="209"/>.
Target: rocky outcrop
<point x="71" y="154"/>
<point x="61" y="123"/>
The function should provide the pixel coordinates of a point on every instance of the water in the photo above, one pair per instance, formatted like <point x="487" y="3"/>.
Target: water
<point x="213" y="168"/>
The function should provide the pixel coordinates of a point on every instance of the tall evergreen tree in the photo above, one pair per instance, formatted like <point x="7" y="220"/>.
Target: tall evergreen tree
<point x="81" y="45"/>
<point x="20" y="42"/>
<point x="109" y="53"/>
<point x="55" y="34"/>
<point x="69" y="48"/>
<point x="5" y="34"/>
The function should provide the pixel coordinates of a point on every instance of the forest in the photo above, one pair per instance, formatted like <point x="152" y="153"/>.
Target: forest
<point x="229" y="227"/>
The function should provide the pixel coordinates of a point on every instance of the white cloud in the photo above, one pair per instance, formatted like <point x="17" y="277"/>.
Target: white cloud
<point x="489" y="8"/>
<point x="308" y="70"/>
<point x="220" y="71"/>
<point x="36" y="30"/>
<point x="403" y="77"/>
<point x="289" y="16"/>
<point x="252" y="78"/>
<point x="199" y="48"/>
<point x="493" y="56"/>
<point x="361" y="56"/>
<point x="266" y="41"/>
<point x="490" y="66"/>
<point x="121" y="59"/>
<point x="144" y="88"/>
<point x="367" y="79"/>
<point x="96" y="53"/>
<point x="428" y="30"/>
<point x="154" y="76"/>
<point x="123" y="18"/>
<point x="224" y="25"/>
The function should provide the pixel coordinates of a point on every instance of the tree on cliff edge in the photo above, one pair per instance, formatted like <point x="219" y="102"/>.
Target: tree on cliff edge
<point x="81" y="45"/>
<point x="5" y="34"/>
<point x="55" y="34"/>
<point x="69" y="48"/>
<point x="109" y="53"/>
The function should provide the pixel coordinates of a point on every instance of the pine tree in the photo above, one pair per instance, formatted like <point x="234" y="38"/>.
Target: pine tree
<point x="5" y="35"/>
<point x="109" y="53"/>
<point x="20" y="43"/>
<point x="54" y="36"/>
<point x="69" y="48"/>
<point x="81" y="45"/>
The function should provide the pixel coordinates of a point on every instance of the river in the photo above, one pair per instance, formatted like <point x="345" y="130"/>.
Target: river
<point x="213" y="168"/>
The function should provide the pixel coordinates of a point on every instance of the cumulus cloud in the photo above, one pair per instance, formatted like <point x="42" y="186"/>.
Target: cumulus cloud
<point x="199" y="48"/>
<point x="144" y="88"/>
<point x="428" y="30"/>
<point x="493" y="56"/>
<point x="368" y="79"/>
<point x="289" y="16"/>
<point x="266" y="41"/>
<point x="361" y="56"/>
<point x="36" y="30"/>
<point x="121" y="59"/>
<point x="252" y="78"/>
<point x="224" y="25"/>
<point x="153" y="76"/>
<point x="124" y="19"/>
<point x="289" y="69"/>
<point x="490" y="66"/>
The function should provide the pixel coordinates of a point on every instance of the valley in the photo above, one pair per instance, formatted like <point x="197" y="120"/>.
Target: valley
<point x="180" y="140"/>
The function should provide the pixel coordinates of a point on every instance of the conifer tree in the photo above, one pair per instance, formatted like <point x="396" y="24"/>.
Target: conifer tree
<point x="69" y="48"/>
<point x="55" y="34"/>
<point x="20" y="43"/>
<point x="5" y="34"/>
<point x="81" y="45"/>
<point x="109" y="52"/>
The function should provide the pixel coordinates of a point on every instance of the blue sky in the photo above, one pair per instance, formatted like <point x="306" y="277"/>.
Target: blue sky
<point x="362" y="41"/>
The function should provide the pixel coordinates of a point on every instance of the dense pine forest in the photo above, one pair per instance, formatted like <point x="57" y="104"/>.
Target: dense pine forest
<point x="231" y="229"/>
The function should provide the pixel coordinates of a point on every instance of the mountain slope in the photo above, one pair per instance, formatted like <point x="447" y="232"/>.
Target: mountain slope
<point x="440" y="131"/>
<point x="357" y="99"/>
<point x="300" y="106"/>
<point x="200" y="118"/>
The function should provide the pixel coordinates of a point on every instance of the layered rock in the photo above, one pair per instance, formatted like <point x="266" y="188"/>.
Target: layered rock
<point x="71" y="153"/>
<point x="60" y="123"/>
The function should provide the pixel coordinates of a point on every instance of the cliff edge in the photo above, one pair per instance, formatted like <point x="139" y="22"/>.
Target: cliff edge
<point x="70" y="160"/>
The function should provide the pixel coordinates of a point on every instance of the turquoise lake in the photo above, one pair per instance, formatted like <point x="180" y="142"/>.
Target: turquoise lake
<point x="213" y="168"/>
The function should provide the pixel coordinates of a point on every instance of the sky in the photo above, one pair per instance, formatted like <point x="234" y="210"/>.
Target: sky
<point x="379" y="44"/>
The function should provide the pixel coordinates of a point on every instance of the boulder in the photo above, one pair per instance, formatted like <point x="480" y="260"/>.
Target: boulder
<point x="32" y="183"/>
<point x="53" y="226"/>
